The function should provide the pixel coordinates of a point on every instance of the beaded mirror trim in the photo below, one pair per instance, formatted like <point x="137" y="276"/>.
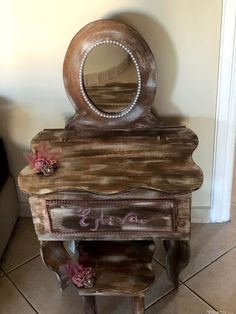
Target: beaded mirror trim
<point x="90" y="104"/>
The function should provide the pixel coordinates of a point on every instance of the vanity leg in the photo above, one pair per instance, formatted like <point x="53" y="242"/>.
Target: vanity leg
<point x="90" y="306"/>
<point x="177" y="258"/>
<point x="138" y="305"/>
<point x="55" y="257"/>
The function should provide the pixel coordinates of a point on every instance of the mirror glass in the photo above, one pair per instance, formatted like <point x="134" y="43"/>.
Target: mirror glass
<point x="110" y="78"/>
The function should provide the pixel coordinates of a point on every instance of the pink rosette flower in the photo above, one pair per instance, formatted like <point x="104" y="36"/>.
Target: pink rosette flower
<point x="82" y="277"/>
<point x="41" y="160"/>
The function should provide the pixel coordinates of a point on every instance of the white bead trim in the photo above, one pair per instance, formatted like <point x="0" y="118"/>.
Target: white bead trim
<point x="87" y="100"/>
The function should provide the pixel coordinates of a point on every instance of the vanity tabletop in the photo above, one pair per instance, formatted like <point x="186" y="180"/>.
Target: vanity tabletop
<point x="117" y="160"/>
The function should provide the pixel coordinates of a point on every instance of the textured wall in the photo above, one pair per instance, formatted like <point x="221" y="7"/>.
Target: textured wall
<point x="183" y="35"/>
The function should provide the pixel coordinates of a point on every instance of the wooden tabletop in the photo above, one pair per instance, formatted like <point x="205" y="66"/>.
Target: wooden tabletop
<point x="118" y="160"/>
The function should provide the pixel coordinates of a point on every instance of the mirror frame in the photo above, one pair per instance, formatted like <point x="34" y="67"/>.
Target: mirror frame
<point x="112" y="32"/>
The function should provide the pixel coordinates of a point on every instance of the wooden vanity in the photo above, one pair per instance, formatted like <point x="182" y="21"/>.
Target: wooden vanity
<point x="121" y="178"/>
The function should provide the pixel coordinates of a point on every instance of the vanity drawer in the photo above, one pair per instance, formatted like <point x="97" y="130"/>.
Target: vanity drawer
<point x="107" y="218"/>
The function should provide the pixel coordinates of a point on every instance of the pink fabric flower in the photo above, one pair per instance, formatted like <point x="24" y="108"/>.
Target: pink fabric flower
<point x="82" y="277"/>
<point x="42" y="160"/>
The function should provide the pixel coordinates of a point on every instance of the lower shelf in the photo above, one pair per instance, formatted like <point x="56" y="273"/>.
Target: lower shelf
<point x="121" y="267"/>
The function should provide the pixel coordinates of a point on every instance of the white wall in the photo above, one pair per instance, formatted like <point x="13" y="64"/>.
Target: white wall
<point x="183" y="35"/>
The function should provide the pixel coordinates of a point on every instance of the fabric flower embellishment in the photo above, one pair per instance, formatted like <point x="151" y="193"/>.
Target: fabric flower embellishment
<point x="43" y="161"/>
<point x="82" y="277"/>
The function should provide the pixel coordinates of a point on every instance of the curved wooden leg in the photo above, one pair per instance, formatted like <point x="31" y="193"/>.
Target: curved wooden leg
<point x="138" y="305"/>
<point x="177" y="258"/>
<point x="90" y="306"/>
<point x="55" y="257"/>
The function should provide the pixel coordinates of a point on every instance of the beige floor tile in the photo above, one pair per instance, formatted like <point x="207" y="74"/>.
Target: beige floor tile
<point x="208" y="242"/>
<point x="41" y="287"/>
<point x="160" y="252"/>
<point x="11" y="301"/>
<point x="1" y="273"/>
<point x="182" y="301"/>
<point x="217" y="283"/>
<point x="22" y="246"/>
<point x="37" y="283"/>
<point x="160" y="287"/>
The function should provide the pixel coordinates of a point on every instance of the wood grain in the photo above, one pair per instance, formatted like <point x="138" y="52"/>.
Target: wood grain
<point x="85" y="39"/>
<point x="177" y="259"/>
<point x="138" y="305"/>
<point x="113" y="167"/>
<point x="122" y="267"/>
<point x="102" y="163"/>
<point x="168" y="215"/>
<point x="90" y="306"/>
<point x="55" y="258"/>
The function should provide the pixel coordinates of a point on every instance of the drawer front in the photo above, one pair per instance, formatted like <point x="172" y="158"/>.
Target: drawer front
<point x="111" y="216"/>
<point x="105" y="218"/>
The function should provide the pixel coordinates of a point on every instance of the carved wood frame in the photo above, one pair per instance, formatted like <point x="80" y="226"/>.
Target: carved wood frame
<point x="109" y="31"/>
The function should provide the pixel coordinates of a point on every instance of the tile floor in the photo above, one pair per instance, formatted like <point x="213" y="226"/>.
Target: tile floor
<point x="208" y="284"/>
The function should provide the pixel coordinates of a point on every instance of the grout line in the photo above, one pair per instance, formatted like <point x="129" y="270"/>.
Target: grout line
<point x="180" y="280"/>
<point x="183" y="282"/>
<point x="195" y="293"/>
<point x="165" y="294"/>
<point x="209" y="264"/>
<point x="160" y="298"/>
<point x="25" y="262"/>
<point x="159" y="262"/>
<point x="172" y="290"/>
<point x="21" y="293"/>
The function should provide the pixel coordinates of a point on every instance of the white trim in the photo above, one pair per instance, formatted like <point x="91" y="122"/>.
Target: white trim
<point x="225" y="117"/>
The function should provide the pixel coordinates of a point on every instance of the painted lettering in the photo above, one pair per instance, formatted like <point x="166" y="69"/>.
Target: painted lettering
<point x="95" y="223"/>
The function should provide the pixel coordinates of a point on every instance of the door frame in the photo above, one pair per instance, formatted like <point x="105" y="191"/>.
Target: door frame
<point x="225" y="128"/>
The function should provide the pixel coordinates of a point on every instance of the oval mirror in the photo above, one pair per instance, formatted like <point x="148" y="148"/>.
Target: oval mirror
<point x="110" y="78"/>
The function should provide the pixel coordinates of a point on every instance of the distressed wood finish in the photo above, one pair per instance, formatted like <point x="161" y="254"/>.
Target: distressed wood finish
<point x="117" y="161"/>
<point x="121" y="267"/>
<point x="177" y="258"/>
<point x="138" y="305"/>
<point x="84" y="40"/>
<point x="58" y="216"/>
<point x="121" y="180"/>
<point x="90" y="306"/>
<point x="55" y="257"/>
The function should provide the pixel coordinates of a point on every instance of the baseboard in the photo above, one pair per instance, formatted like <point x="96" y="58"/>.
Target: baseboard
<point x="201" y="215"/>
<point x="24" y="209"/>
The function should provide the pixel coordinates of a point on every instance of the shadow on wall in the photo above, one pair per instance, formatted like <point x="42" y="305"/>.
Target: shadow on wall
<point x="19" y="123"/>
<point x="15" y="121"/>
<point x="164" y="53"/>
